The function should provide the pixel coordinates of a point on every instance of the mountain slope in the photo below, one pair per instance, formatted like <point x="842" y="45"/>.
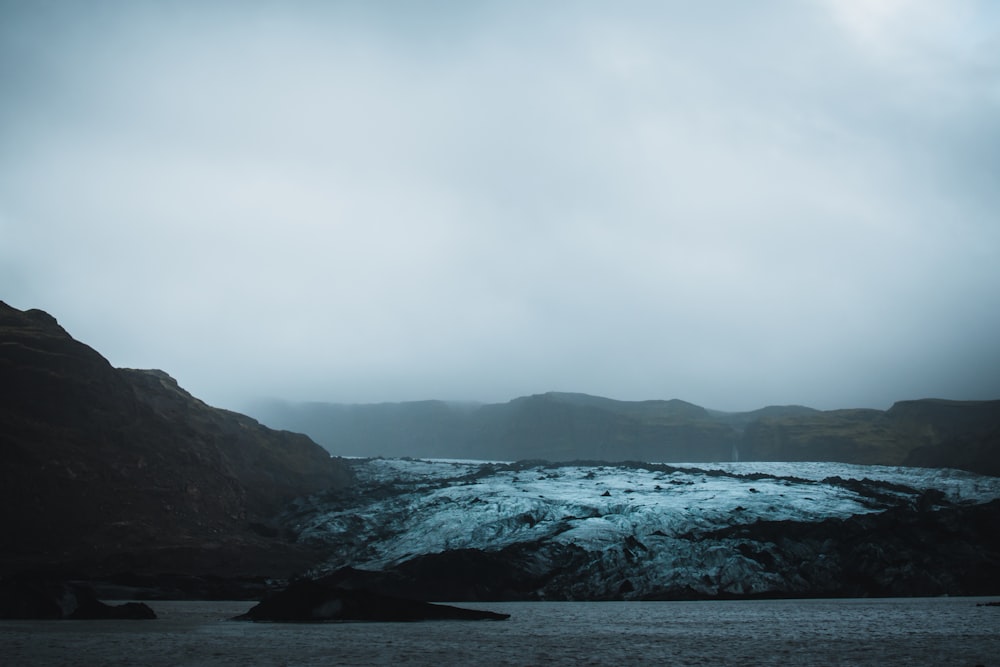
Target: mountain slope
<point x="553" y="426"/>
<point x="927" y="432"/>
<point x="111" y="468"/>
<point x="565" y="427"/>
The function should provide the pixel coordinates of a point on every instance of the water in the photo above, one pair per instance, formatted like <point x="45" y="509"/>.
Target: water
<point x="883" y="632"/>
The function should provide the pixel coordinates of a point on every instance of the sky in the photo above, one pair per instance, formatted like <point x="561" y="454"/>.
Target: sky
<point x="733" y="203"/>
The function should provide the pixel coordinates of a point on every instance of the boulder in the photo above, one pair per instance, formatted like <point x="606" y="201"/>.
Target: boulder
<point x="312" y="601"/>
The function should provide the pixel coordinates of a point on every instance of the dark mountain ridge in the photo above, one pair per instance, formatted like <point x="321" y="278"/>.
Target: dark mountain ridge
<point x="119" y="469"/>
<point x="560" y="426"/>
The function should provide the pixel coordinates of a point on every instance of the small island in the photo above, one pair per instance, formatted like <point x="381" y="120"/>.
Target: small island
<point x="315" y="601"/>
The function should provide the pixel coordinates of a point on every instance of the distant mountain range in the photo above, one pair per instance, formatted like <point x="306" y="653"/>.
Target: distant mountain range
<point x="110" y="469"/>
<point x="120" y="475"/>
<point x="567" y="426"/>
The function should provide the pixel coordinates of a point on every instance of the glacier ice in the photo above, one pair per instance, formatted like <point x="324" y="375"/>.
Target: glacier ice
<point x="641" y="522"/>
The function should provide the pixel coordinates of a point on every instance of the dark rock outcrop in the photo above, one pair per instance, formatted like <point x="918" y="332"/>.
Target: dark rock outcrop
<point x="514" y="573"/>
<point x="901" y="552"/>
<point x="112" y="470"/>
<point x="39" y="599"/>
<point x="312" y="601"/>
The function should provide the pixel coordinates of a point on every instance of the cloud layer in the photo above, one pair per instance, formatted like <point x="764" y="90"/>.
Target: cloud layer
<point x="732" y="203"/>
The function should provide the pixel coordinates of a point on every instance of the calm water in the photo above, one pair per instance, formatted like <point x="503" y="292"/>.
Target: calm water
<point x="939" y="631"/>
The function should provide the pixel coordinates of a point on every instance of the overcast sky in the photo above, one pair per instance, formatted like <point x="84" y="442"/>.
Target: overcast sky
<point x="733" y="203"/>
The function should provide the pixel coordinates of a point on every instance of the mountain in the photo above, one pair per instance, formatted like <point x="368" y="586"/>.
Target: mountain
<point x="566" y="427"/>
<point x="111" y="469"/>
<point x="862" y="436"/>
<point x="459" y="530"/>
<point x="552" y="426"/>
<point x="928" y="432"/>
<point x="956" y="434"/>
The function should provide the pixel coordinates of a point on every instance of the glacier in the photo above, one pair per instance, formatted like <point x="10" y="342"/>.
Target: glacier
<point x="592" y="530"/>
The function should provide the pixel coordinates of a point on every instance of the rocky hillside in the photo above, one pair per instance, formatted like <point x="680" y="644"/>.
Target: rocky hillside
<point x="566" y="427"/>
<point x="929" y="433"/>
<point x="111" y="469"/>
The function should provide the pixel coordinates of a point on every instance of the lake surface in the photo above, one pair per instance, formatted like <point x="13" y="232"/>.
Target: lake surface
<point x="937" y="631"/>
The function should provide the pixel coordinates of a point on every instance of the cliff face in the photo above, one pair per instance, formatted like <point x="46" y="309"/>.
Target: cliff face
<point x="119" y="469"/>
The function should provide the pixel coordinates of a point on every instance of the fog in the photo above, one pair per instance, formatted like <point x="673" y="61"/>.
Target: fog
<point x="733" y="203"/>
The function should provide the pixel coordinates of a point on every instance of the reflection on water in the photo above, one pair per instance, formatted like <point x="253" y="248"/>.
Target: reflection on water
<point x="939" y="631"/>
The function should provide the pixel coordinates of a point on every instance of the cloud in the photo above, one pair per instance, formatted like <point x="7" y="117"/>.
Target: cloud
<point x="730" y="203"/>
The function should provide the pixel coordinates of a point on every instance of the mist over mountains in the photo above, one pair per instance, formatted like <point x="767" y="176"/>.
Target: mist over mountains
<point x="566" y="426"/>
<point x="120" y="473"/>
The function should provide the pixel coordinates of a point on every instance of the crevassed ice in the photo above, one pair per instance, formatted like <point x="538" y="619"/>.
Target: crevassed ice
<point x="448" y="504"/>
